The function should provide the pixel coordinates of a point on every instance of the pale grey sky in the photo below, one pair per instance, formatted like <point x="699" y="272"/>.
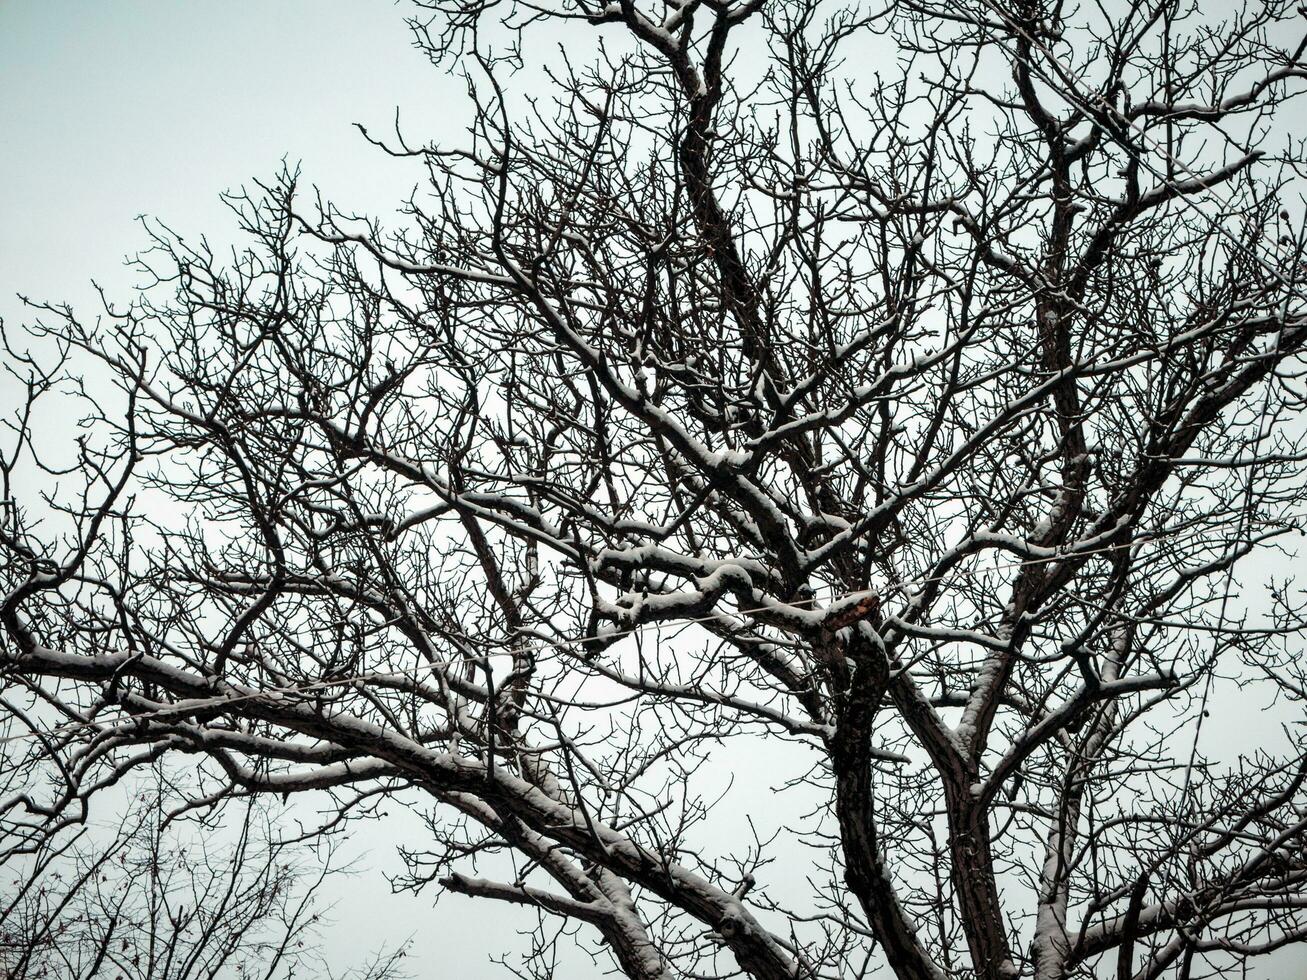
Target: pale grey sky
<point x="114" y="108"/>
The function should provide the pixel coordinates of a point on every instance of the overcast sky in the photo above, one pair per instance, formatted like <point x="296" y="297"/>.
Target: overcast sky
<point x="114" y="108"/>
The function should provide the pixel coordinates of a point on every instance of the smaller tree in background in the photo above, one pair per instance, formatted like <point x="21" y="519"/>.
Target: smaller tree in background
<point x="165" y="894"/>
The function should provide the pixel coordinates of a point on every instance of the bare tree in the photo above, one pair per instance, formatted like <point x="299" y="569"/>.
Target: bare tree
<point x="162" y="898"/>
<point x="912" y="430"/>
